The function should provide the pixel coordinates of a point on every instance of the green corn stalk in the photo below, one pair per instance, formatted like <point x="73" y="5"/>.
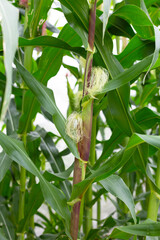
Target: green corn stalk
<point x="87" y="113"/>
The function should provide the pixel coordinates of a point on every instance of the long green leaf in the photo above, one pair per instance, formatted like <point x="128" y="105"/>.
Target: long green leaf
<point x="52" y="155"/>
<point x="116" y="186"/>
<point x="126" y="76"/>
<point x="117" y="161"/>
<point x="110" y="144"/>
<point x="46" y="99"/>
<point x="143" y="229"/>
<point x="15" y="150"/>
<point x="48" y="67"/>
<point x="138" y="18"/>
<point x="118" y="100"/>
<point x="147" y="118"/>
<point x="48" y="41"/>
<point x="119" y="27"/>
<point x="9" y="21"/>
<point x="148" y="93"/>
<point x="104" y="171"/>
<point x="136" y="49"/>
<point x="77" y="27"/>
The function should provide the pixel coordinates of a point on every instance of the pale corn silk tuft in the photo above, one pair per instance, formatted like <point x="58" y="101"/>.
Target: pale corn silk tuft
<point x="74" y="128"/>
<point x="74" y="124"/>
<point x="99" y="77"/>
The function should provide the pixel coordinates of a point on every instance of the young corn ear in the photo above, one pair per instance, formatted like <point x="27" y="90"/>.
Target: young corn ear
<point x="99" y="77"/>
<point x="74" y="128"/>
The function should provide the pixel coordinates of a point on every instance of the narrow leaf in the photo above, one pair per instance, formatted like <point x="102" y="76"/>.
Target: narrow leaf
<point x="143" y="229"/>
<point x="9" y="21"/>
<point x="136" y="49"/>
<point x="128" y="75"/>
<point x="54" y="197"/>
<point x="116" y="186"/>
<point x="46" y="99"/>
<point x="138" y="18"/>
<point x="48" y="41"/>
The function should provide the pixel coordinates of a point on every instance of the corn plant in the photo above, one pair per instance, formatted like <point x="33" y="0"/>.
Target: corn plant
<point x="111" y="129"/>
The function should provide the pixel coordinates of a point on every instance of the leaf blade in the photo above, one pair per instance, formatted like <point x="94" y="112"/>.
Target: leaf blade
<point x="9" y="15"/>
<point x="46" y="99"/>
<point x="116" y="186"/>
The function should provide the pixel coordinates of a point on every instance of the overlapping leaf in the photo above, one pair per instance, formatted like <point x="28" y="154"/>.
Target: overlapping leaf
<point x="46" y="99"/>
<point x="49" y="65"/>
<point x="15" y="150"/>
<point x="115" y="162"/>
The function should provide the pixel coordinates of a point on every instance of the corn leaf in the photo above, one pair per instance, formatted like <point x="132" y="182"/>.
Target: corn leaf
<point x="9" y="22"/>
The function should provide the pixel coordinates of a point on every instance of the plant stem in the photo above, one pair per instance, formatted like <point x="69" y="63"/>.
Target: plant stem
<point x="76" y="208"/>
<point x="80" y="166"/>
<point x="93" y="142"/>
<point x="87" y="226"/>
<point x="98" y="211"/>
<point x="88" y="196"/>
<point x="84" y="144"/>
<point x="90" y="52"/>
<point x="28" y="64"/>
<point x="22" y="193"/>
<point x="153" y="204"/>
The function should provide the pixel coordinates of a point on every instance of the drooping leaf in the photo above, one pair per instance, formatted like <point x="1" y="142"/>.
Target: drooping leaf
<point x="73" y="70"/>
<point x="138" y="19"/>
<point x="59" y="176"/>
<point x="105" y="170"/>
<point x="48" y="41"/>
<point x="15" y="150"/>
<point x="9" y="22"/>
<point x="110" y="144"/>
<point x="52" y="155"/>
<point x="116" y="186"/>
<point x="126" y="76"/>
<point x="67" y="9"/>
<point x="150" y="139"/>
<point x="46" y="99"/>
<point x="149" y="228"/>
<point x="117" y="234"/>
<point x="119" y="27"/>
<point x="49" y="65"/>
<point x="136" y="49"/>
<point x="147" y="118"/>
<point x="117" y="161"/>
